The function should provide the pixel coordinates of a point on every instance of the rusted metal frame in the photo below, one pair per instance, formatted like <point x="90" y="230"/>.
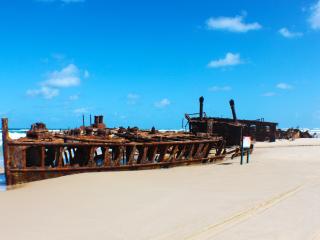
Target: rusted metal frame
<point x="75" y="144"/>
<point x="220" y="147"/>
<point x="143" y="154"/>
<point x="163" y="152"/>
<point x="182" y="152"/>
<point x="42" y="156"/>
<point x="152" y="153"/>
<point x="92" y="151"/>
<point x="118" y="155"/>
<point x="6" y="156"/>
<point x="40" y="173"/>
<point x="161" y="158"/>
<point x="198" y="151"/>
<point x="130" y="151"/>
<point x="175" y="149"/>
<point x="23" y="157"/>
<point x="106" y="156"/>
<point x="113" y="168"/>
<point x="87" y="140"/>
<point x="205" y="151"/>
<point x="59" y="157"/>
<point x="190" y="152"/>
<point x="11" y="153"/>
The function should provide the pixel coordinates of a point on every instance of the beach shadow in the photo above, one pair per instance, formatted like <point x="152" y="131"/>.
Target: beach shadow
<point x="225" y="163"/>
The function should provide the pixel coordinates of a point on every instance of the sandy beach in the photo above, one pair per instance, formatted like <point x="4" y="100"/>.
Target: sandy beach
<point x="276" y="196"/>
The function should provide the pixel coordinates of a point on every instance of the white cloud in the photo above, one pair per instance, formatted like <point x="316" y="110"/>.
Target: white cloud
<point x="220" y="89"/>
<point x="268" y="94"/>
<point x="230" y="59"/>
<point x="80" y="110"/>
<point x="162" y="103"/>
<point x="132" y="98"/>
<point x="46" y="92"/>
<point x="67" y="77"/>
<point x="314" y="18"/>
<point x="232" y="24"/>
<point x="64" y="78"/>
<point x="288" y="34"/>
<point x="284" y="86"/>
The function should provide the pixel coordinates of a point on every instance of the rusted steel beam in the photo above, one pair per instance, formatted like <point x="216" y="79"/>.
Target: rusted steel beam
<point x="173" y="153"/>
<point x="143" y="153"/>
<point x="106" y="157"/>
<point x="118" y="155"/>
<point x="75" y="144"/>
<point x="125" y="167"/>
<point x="191" y="151"/>
<point x="130" y="151"/>
<point x="199" y="151"/>
<point x="59" y="157"/>
<point x="152" y="153"/>
<point x="163" y="152"/>
<point x="42" y="156"/>
<point x="91" y="156"/>
<point x="181" y="153"/>
<point x="6" y="161"/>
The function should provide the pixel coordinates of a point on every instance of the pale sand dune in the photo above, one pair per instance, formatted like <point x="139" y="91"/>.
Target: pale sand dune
<point x="276" y="196"/>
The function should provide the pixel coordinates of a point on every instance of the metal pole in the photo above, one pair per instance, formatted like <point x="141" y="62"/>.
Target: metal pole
<point x="201" y="100"/>
<point x="5" y="137"/>
<point x="241" y="160"/>
<point x="241" y="146"/>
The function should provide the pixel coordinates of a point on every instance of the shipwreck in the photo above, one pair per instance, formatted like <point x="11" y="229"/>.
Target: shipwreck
<point x="231" y="129"/>
<point x="43" y="154"/>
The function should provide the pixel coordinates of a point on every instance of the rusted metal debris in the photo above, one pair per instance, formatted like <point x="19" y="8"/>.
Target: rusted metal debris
<point x="43" y="154"/>
<point x="231" y="129"/>
<point x="292" y="133"/>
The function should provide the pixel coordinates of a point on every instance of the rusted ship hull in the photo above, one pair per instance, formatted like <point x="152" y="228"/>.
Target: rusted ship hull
<point x="231" y="129"/>
<point x="48" y="155"/>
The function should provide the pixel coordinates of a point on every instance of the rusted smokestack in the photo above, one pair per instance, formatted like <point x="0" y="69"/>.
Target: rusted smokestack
<point x="201" y="100"/>
<point x="96" y="120"/>
<point x="101" y="119"/>
<point x="231" y="102"/>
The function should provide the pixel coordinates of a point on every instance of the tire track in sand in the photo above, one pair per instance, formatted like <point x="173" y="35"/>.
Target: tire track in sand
<point x="239" y="217"/>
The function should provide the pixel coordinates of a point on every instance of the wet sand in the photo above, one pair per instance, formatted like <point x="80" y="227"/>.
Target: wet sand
<point x="276" y="196"/>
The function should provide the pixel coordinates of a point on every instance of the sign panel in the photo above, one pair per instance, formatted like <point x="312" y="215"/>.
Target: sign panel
<point x="246" y="142"/>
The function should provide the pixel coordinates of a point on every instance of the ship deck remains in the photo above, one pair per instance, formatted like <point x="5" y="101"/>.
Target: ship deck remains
<point x="43" y="154"/>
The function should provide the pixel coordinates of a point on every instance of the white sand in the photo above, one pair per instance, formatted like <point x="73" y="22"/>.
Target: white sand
<point x="276" y="196"/>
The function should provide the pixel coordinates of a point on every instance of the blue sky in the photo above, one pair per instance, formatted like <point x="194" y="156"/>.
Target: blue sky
<point x="146" y="63"/>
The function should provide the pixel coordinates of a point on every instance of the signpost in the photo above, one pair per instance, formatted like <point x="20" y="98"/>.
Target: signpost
<point x="245" y="147"/>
